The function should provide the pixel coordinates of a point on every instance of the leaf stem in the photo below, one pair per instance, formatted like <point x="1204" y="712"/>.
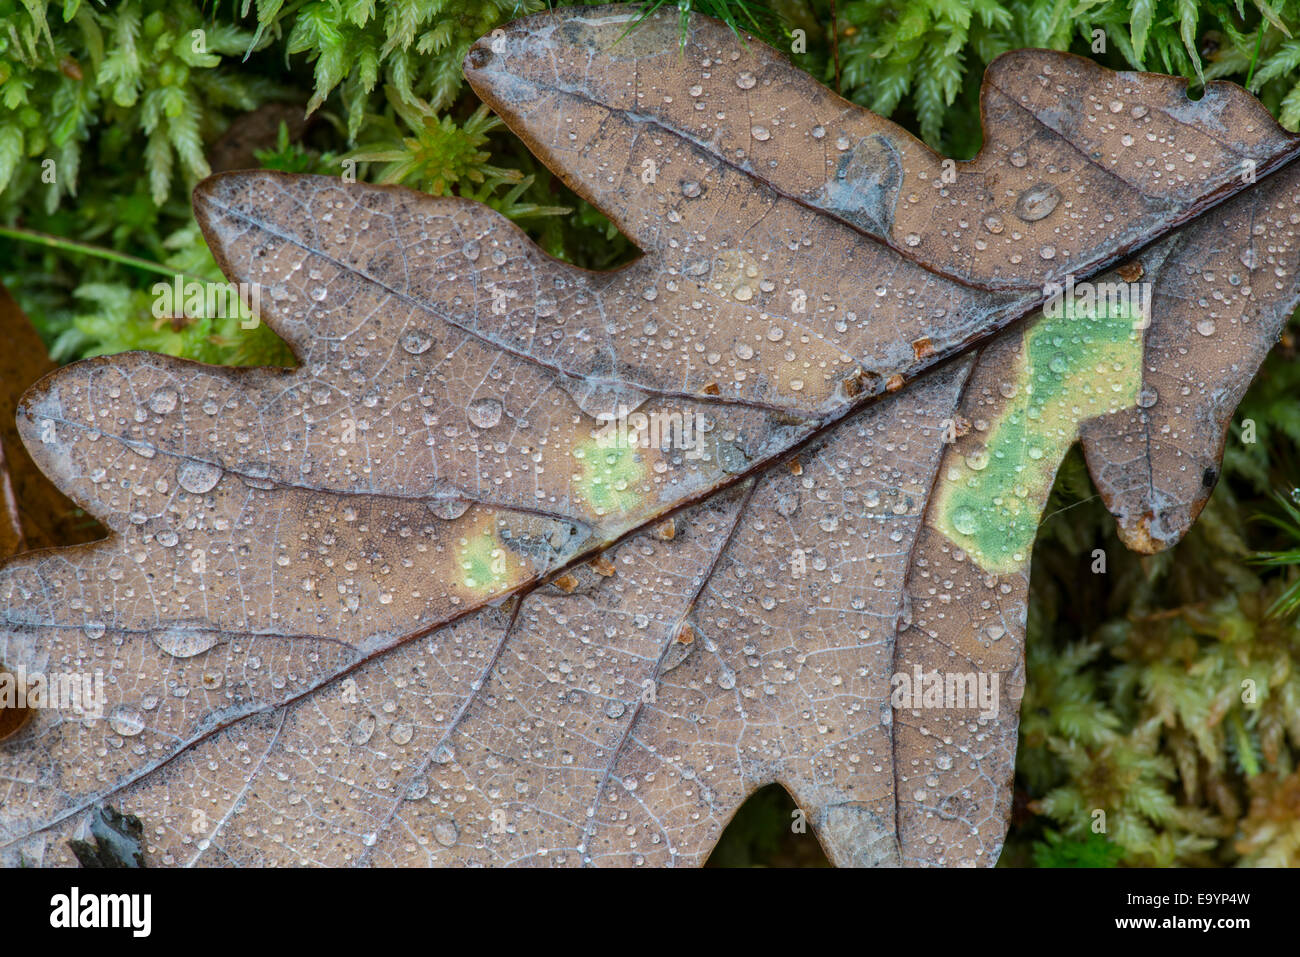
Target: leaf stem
<point x="1259" y="42"/>
<point x="86" y="249"/>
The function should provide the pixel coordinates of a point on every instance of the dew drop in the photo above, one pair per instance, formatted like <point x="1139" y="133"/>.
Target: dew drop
<point x="485" y="413"/>
<point x="417" y="341"/>
<point x="445" y="832"/>
<point x="126" y="721"/>
<point x="965" y="520"/>
<point x="448" y="507"/>
<point x="163" y="401"/>
<point x="198" y="477"/>
<point x="1037" y="202"/>
<point x="181" y="642"/>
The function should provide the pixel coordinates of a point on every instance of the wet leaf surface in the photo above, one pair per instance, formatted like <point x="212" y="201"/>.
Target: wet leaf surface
<point x="525" y="564"/>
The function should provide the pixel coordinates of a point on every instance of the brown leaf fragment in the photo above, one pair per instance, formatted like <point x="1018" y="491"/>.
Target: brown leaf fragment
<point x="33" y="512"/>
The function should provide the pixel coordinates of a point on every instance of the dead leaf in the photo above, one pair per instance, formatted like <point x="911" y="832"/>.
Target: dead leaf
<point x="33" y="512"/>
<point x="319" y="602"/>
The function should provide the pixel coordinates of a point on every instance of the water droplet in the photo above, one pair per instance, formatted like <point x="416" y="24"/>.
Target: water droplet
<point x="1018" y="158"/>
<point x="745" y="81"/>
<point x="445" y="832"/>
<point x="485" y="413"/>
<point x="448" y="507"/>
<point x="993" y="223"/>
<point x="363" y="729"/>
<point x="198" y="477"/>
<point x="417" y="342"/>
<point x="965" y="520"/>
<point x="1037" y="202"/>
<point x="1205" y="327"/>
<point x="181" y="642"/>
<point x="163" y="401"/>
<point x="690" y="189"/>
<point x="615" y="709"/>
<point x="126" y="721"/>
<point x="1147" y="396"/>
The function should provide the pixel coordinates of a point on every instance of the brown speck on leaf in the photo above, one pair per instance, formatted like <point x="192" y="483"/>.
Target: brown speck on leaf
<point x="1131" y="271"/>
<point x="666" y="530"/>
<point x="795" y="466"/>
<point x="602" y="566"/>
<point x="922" y="347"/>
<point x="712" y="389"/>
<point x="894" y="383"/>
<point x="70" y="68"/>
<point x="565" y="583"/>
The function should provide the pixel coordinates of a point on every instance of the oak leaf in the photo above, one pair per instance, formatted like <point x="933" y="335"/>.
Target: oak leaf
<point x="526" y="564"/>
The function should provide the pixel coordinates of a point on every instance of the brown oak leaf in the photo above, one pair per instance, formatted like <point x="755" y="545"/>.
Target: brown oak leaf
<point x="526" y="564"/>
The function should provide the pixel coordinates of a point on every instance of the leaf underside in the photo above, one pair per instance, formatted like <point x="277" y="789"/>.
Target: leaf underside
<point x="409" y="603"/>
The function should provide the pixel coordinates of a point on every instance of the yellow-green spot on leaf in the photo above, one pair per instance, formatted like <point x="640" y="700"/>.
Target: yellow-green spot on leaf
<point x="1073" y="367"/>
<point x="609" y="472"/>
<point x="482" y="561"/>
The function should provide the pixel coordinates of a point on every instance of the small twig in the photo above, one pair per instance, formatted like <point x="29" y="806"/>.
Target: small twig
<point x="86" y="249"/>
<point x="1259" y="42"/>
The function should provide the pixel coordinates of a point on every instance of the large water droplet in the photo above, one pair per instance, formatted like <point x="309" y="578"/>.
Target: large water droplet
<point x="448" y="507"/>
<point x="1037" y="202"/>
<point x="485" y="413"/>
<point x="198" y="477"/>
<point x="965" y="520"/>
<point x="163" y="401"/>
<point x="126" y="721"/>
<point x="417" y="342"/>
<point x="445" y="832"/>
<point x="182" y="642"/>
